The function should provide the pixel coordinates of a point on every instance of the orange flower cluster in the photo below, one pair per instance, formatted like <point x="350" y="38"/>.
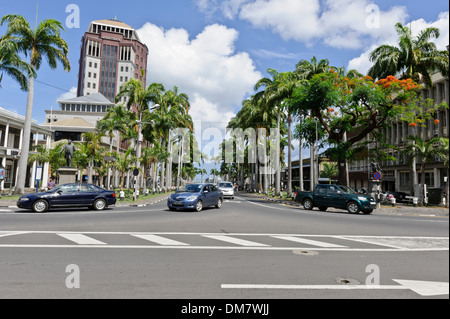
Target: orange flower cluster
<point x="436" y="122"/>
<point x="412" y="124"/>
<point x="407" y="84"/>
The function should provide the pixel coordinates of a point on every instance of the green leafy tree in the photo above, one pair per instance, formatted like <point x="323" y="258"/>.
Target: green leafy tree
<point x="44" y="41"/>
<point x="356" y="107"/>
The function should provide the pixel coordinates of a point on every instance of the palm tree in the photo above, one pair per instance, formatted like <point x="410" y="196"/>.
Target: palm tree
<point x="115" y="121"/>
<point x="172" y="113"/>
<point x="415" y="58"/>
<point x="215" y="173"/>
<point x="329" y="170"/>
<point x="81" y="158"/>
<point x="138" y="100"/>
<point x="276" y="90"/>
<point x="43" y="41"/>
<point x="307" y="69"/>
<point x="93" y="140"/>
<point x="124" y="164"/>
<point x="12" y="65"/>
<point x="428" y="151"/>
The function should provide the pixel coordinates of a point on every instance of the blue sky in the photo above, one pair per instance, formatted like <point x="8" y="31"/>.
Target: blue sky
<point x="216" y="50"/>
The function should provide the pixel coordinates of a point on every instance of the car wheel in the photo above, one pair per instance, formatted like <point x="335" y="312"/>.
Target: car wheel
<point x="199" y="206"/>
<point x="219" y="203"/>
<point x="353" y="208"/>
<point x="40" y="206"/>
<point x="99" y="204"/>
<point x="323" y="209"/>
<point x="308" y="204"/>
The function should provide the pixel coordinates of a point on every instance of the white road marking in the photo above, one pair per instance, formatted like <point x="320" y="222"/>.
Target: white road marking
<point x="423" y="288"/>
<point x="311" y="287"/>
<point x="12" y="233"/>
<point x="308" y="242"/>
<point x="161" y="240"/>
<point x="82" y="239"/>
<point x="266" y="206"/>
<point x="375" y="243"/>
<point x="236" y="241"/>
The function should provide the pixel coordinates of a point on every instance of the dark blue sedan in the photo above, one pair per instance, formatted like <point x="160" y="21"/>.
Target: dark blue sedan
<point x="69" y="195"/>
<point x="196" y="196"/>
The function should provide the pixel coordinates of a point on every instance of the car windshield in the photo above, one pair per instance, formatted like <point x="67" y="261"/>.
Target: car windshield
<point x="347" y="190"/>
<point x="191" y="188"/>
<point x="229" y="185"/>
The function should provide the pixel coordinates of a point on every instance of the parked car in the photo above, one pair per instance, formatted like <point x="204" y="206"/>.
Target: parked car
<point x="336" y="196"/>
<point x="196" y="197"/>
<point x="227" y="189"/>
<point x="69" y="195"/>
<point x="400" y="197"/>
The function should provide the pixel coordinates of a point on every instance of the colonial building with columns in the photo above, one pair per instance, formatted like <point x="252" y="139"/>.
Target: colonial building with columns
<point x="11" y="138"/>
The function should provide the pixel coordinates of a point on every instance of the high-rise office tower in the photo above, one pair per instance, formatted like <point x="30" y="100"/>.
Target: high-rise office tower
<point x="111" y="54"/>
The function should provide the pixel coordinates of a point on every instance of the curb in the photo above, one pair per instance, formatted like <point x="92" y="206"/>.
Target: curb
<point x="397" y="210"/>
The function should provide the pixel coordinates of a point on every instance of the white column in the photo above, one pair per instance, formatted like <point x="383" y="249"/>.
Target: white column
<point x="33" y="170"/>
<point x="5" y="144"/>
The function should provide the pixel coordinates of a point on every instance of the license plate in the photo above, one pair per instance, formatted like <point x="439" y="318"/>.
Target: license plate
<point x="178" y="203"/>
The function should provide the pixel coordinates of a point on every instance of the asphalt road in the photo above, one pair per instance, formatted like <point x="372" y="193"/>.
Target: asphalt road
<point x="248" y="249"/>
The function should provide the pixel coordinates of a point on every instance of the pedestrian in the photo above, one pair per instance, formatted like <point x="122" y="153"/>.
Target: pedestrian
<point x="51" y="184"/>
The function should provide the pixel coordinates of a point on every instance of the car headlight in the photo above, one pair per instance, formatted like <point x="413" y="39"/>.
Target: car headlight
<point x="24" y="199"/>
<point x="191" y="198"/>
<point x="363" y="199"/>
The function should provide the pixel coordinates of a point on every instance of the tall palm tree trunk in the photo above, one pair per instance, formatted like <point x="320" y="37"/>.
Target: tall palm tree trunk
<point x="23" y="160"/>
<point x="300" y="160"/>
<point x="289" y="186"/>
<point x="277" y="165"/>
<point x="312" y="166"/>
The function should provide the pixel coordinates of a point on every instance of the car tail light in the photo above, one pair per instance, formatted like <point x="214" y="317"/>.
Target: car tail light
<point x="114" y="194"/>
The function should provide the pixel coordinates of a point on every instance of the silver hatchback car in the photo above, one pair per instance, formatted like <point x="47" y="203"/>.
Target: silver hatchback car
<point x="227" y="189"/>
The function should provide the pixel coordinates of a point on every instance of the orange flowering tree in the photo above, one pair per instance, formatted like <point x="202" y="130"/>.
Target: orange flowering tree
<point x="349" y="109"/>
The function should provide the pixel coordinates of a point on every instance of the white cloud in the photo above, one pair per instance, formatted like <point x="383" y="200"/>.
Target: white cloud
<point x="336" y="23"/>
<point x="363" y="64"/>
<point x="68" y="95"/>
<point x="207" y="68"/>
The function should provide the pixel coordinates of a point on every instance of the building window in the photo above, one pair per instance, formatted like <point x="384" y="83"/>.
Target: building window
<point x="405" y="180"/>
<point x="429" y="179"/>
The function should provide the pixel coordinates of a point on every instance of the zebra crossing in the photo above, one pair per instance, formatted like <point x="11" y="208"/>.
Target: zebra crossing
<point x="218" y="241"/>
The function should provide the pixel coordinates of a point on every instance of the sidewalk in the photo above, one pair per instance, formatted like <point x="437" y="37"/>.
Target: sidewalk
<point x="399" y="209"/>
<point x="5" y="202"/>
